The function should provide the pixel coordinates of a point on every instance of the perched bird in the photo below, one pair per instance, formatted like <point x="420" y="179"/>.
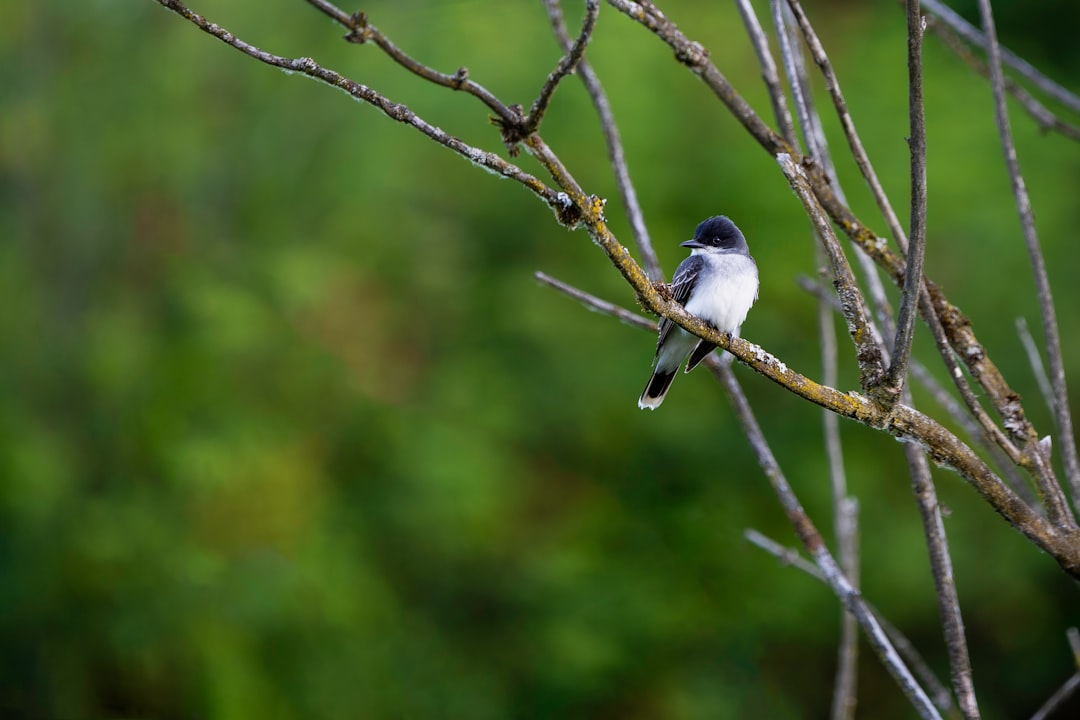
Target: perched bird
<point x="718" y="283"/>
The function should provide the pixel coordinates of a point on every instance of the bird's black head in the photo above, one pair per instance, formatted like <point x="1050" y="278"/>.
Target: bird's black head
<point x="717" y="233"/>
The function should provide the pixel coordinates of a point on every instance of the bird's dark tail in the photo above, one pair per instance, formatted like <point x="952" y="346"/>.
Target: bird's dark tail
<point x="656" y="389"/>
<point x="700" y="353"/>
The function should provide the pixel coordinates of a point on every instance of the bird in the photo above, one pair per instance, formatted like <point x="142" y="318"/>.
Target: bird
<point x="719" y="284"/>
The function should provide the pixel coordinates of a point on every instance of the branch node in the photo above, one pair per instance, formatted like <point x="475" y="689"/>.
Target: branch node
<point x="359" y="32"/>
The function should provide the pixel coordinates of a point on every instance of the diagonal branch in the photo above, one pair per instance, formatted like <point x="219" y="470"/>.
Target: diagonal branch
<point x="852" y="304"/>
<point x="769" y="72"/>
<point x="976" y="37"/>
<point x="790" y="556"/>
<point x="566" y="65"/>
<point x="1046" y="119"/>
<point x="614" y="147"/>
<point x="362" y="31"/>
<point x="1062" y="414"/>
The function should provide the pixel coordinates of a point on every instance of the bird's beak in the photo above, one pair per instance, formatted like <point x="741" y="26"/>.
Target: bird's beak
<point x="691" y="244"/>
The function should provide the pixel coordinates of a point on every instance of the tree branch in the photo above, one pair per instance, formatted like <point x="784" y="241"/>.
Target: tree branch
<point x="972" y="34"/>
<point x="913" y="273"/>
<point x="790" y="556"/>
<point x="627" y="193"/>
<point x="1067" y="441"/>
<point x="567" y="64"/>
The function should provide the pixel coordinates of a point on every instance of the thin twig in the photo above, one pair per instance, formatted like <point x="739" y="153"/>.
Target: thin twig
<point x="1025" y="69"/>
<point x="858" y="151"/>
<point x="913" y="273"/>
<point x="1066" y="440"/>
<point x="937" y="545"/>
<point x="800" y="92"/>
<point x="845" y="526"/>
<point x="566" y="65"/>
<point x="1059" y="698"/>
<point x="362" y="31"/>
<point x="790" y="556"/>
<point x="768" y="71"/>
<point x="1046" y="119"/>
<point x="1035" y="360"/>
<point x="596" y="304"/>
<point x="845" y="687"/>
<point x="614" y="148"/>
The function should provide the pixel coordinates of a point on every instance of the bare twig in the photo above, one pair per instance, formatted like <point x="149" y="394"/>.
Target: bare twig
<point x="566" y="65"/>
<point x="1046" y="119"/>
<point x="1035" y="360"/>
<point x="941" y="568"/>
<point x="976" y="37"/>
<point x="790" y="556"/>
<point x="845" y="514"/>
<point x="845" y="687"/>
<point x="614" y="147"/>
<point x="913" y="273"/>
<point x="800" y="90"/>
<point x="858" y="152"/>
<point x="362" y="31"/>
<point x="596" y="304"/>
<point x="1059" y="698"/>
<point x="768" y="71"/>
<point x="1067" y="442"/>
<point x="852" y="303"/>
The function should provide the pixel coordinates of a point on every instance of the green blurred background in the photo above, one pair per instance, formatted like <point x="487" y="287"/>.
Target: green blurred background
<point x="288" y="430"/>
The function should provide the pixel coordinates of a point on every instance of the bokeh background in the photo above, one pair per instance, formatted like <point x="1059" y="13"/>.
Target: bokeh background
<point x="288" y="430"/>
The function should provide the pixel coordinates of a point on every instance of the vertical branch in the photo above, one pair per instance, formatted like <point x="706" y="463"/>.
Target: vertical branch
<point x="913" y="274"/>
<point x="845" y="513"/>
<point x="1062" y="414"/>
<point x="845" y="688"/>
<point x="941" y="568"/>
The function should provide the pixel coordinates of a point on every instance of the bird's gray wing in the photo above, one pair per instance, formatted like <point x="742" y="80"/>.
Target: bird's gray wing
<point x="682" y="285"/>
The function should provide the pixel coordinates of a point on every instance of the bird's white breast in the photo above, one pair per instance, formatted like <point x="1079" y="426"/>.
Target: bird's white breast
<point x="725" y="297"/>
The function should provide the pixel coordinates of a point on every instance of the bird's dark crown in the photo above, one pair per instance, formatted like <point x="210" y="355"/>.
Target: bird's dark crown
<point x="719" y="232"/>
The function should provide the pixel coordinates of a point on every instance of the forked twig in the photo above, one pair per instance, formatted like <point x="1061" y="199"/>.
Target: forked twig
<point x="617" y="157"/>
<point x="567" y="63"/>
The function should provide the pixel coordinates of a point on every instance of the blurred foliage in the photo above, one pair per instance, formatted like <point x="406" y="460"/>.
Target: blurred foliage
<point x="289" y="431"/>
